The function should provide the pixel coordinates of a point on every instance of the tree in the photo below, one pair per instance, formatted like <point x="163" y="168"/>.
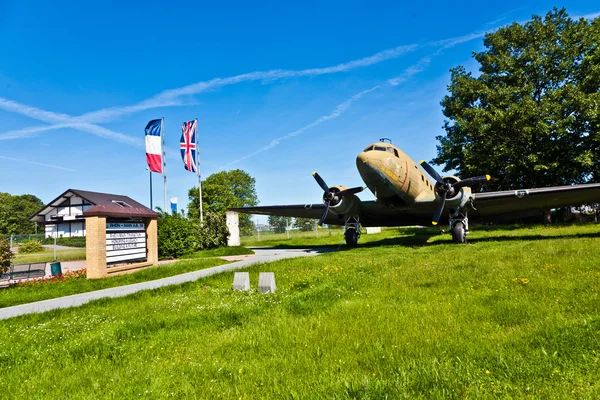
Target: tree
<point x="280" y="223"/>
<point x="304" y="224"/>
<point x="223" y="190"/>
<point x="15" y="212"/>
<point x="530" y="119"/>
<point x="5" y="255"/>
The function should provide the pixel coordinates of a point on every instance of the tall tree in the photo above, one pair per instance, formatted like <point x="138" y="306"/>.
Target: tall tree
<point x="15" y="212"/>
<point x="530" y="119"/>
<point x="305" y="224"/>
<point x="280" y="224"/>
<point x="223" y="190"/>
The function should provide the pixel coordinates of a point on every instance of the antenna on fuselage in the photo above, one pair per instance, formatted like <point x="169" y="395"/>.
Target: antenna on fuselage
<point x="386" y="140"/>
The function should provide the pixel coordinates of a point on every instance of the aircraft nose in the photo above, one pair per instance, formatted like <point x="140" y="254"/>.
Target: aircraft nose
<point x="364" y="163"/>
<point x="362" y="158"/>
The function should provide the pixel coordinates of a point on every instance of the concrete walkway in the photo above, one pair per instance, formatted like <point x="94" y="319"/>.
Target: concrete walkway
<point x="261" y="255"/>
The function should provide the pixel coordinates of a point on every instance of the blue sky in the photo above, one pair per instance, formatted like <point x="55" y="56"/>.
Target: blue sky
<point x="280" y="89"/>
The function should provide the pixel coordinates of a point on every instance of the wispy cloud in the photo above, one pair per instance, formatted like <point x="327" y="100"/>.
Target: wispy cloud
<point x="37" y="163"/>
<point x="176" y="97"/>
<point x="411" y="71"/>
<point x="337" y="111"/>
<point x="173" y="97"/>
<point x="61" y="121"/>
<point x="589" y="16"/>
<point x="342" y="107"/>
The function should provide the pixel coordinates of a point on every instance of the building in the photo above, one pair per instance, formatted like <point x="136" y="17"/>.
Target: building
<point x="65" y="215"/>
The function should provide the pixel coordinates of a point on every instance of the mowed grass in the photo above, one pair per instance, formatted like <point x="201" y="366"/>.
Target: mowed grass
<point x="269" y="238"/>
<point x="515" y="314"/>
<point x="219" y="252"/>
<point x="19" y="294"/>
<point x="48" y="256"/>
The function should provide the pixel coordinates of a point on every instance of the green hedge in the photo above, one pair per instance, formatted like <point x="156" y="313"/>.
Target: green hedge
<point x="67" y="241"/>
<point x="178" y="235"/>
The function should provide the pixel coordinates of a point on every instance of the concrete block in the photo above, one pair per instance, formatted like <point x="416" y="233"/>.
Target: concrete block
<point x="266" y="282"/>
<point x="233" y="225"/>
<point x="371" y="230"/>
<point x="241" y="281"/>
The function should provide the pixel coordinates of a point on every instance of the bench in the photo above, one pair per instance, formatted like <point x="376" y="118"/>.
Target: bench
<point x="26" y="271"/>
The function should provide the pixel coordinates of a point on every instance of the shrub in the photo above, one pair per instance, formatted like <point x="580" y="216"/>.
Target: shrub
<point x="5" y="255"/>
<point x="31" y="246"/>
<point x="70" y="241"/>
<point x="214" y="232"/>
<point x="178" y="235"/>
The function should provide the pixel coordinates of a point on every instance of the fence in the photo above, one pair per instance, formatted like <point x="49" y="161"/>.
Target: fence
<point x="18" y="239"/>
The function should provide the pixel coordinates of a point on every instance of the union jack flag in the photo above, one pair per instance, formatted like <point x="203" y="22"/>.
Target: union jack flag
<point x="187" y="144"/>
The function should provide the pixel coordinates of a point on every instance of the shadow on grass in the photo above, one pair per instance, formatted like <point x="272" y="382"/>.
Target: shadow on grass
<point x="419" y="237"/>
<point x="503" y="238"/>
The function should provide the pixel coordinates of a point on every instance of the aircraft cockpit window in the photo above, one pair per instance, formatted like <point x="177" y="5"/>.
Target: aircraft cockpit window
<point x="380" y="148"/>
<point x="369" y="148"/>
<point x="396" y="153"/>
<point x="390" y="149"/>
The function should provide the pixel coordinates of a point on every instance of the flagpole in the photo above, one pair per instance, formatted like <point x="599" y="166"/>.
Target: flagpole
<point x="162" y="133"/>
<point x="151" y="207"/>
<point x="198" y="172"/>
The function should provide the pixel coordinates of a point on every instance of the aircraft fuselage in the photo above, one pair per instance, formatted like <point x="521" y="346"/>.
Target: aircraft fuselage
<point x="393" y="177"/>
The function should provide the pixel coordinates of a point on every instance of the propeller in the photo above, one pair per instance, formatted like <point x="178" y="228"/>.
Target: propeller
<point x="446" y="189"/>
<point x="330" y="196"/>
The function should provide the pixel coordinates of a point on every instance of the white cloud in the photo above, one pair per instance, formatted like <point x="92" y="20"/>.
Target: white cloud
<point x="61" y="121"/>
<point x="173" y="97"/>
<point x="37" y="163"/>
<point x="337" y="111"/>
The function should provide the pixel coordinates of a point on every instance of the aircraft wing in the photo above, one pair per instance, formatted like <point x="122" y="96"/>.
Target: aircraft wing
<point x="293" y="210"/>
<point x="509" y="203"/>
<point x="371" y="213"/>
<point x="522" y="201"/>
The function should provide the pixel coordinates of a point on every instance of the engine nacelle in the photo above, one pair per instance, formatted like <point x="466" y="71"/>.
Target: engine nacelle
<point x="348" y="204"/>
<point x="456" y="199"/>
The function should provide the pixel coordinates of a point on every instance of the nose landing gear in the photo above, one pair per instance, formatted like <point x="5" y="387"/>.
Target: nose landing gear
<point x="352" y="232"/>
<point x="459" y="227"/>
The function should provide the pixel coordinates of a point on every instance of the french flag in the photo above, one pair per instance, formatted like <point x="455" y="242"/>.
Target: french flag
<point x="153" y="145"/>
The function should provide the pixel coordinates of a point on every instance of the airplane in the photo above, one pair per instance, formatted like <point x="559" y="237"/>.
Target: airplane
<point x="406" y="196"/>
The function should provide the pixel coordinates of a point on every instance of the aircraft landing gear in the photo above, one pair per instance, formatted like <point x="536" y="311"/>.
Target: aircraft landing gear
<point x="352" y="232"/>
<point x="459" y="227"/>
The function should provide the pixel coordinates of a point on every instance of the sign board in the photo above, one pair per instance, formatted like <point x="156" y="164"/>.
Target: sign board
<point x="125" y="242"/>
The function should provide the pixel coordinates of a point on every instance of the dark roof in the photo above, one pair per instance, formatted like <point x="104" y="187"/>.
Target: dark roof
<point x="103" y="204"/>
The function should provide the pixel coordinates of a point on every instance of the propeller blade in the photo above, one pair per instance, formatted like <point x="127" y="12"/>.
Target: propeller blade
<point x="432" y="172"/>
<point x="440" y="209"/>
<point x="324" y="215"/>
<point x="350" y="191"/>
<point x="321" y="182"/>
<point x="470" y="181"/>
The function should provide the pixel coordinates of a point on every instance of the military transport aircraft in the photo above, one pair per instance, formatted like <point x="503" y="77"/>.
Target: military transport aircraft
<point x="406" y="196"/>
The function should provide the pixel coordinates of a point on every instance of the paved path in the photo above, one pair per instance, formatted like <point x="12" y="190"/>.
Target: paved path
<point x="262" y="255"/>
<point x="60" y="247"/>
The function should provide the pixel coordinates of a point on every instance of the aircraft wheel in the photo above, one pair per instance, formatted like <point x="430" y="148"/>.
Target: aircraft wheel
<point x="351" y="237"/>
<point x="458" y="233"/>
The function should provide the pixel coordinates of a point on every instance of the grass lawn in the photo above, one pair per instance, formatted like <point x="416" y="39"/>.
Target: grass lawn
<point x="48" y="256"/>
<point x="515" y="314"/>
<point x="220" y="252"/>
<point x="320" y="236"/>
<point x="26" y="294"/>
